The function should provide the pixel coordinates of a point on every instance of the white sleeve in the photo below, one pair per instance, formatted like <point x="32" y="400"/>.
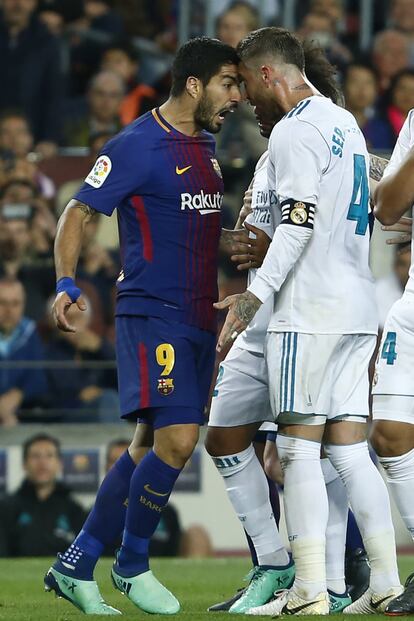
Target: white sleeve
<point x="404" y="143"/>
<point x="300" y="158"/>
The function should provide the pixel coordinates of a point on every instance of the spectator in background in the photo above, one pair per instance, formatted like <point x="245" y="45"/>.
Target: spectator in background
<point x="19" y="240"/>
<point x="88" y="37"/>
<point x="41" y="517"/>
<point x="83" y="393"/>
<point x="400" y="101"/>
<point x="19" y="340"/>
<point x="390" y="55"/>
<point x="361" y="93"/>
<point x="402" y="17"/>
<point x="100" y="112"/>
<point x="16" y="146"/>
<point x="123" y="60"/>
<point x="390" y="288"/>
<point x="30" y="72"/>
<point x="321" y="28"/>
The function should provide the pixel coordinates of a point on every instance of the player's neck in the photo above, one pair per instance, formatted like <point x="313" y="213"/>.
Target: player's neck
<point x="180" y="116"/>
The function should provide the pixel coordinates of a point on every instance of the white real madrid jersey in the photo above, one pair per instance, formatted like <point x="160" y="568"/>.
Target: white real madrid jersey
<point x="318" y="155"/>
<point x="265" y="216"/>
<point x="404" y="143"/>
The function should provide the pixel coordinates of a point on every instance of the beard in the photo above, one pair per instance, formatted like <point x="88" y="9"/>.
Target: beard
<point x="204" y="115"/>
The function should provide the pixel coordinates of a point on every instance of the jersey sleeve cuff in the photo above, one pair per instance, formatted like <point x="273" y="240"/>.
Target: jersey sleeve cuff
<point x="261" y="289"/>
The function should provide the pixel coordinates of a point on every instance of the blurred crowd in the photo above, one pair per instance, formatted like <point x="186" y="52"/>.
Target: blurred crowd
<point x="73" y="73"/>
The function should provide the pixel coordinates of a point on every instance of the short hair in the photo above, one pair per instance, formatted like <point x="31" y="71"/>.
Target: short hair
<point x="247" y="10"/>
<point x="320" y="72"/>
<point x="360" y="64"/>
<point x="202" y="58"/>
<point x="40" y="437"/>
<point x="272" y="41"/>
<point x="125" y="46"/>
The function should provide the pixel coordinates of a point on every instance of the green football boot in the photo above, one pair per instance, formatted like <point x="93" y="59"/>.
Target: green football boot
<point x="262" y="586"/>
<point x="84" y="594"/>
<point x="338" y="602"/>
<point x="146" y="592"/>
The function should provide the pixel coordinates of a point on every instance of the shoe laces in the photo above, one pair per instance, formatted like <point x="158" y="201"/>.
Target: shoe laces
<point x="257" y="574"/>
<point x="409" y="583"/>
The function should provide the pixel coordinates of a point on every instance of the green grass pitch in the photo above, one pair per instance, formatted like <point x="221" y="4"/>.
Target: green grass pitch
<point x="196" y="583"/>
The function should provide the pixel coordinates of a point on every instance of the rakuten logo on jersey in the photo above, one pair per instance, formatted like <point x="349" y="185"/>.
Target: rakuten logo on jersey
<point x="204" y="203"/>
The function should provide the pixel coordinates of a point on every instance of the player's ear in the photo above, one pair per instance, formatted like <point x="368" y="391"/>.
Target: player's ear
<point x="193" y="86"/>
<point x="266" y="74"/>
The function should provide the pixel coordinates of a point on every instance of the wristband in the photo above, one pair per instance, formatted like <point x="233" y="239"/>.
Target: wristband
<point x="68" y="285"/>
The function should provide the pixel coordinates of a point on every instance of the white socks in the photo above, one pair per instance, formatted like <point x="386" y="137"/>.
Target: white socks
<point x="306" y="510"/>
<point x="248" y="491"/>
<point x="336" y="529"/>
<point x="371" y="506"/>
<point x="400" y="478"/>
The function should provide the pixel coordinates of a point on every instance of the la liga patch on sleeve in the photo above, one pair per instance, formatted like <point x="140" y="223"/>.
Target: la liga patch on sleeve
<point x="99" y="172"/>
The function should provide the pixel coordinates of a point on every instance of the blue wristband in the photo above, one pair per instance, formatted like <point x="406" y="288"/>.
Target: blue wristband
<point x="68" y="285"/>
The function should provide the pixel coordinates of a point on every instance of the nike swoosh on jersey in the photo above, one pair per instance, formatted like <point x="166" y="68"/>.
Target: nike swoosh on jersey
<point x="180" y="171"/>
<point x="293" y="611"/>
<point x="151" y="491"/>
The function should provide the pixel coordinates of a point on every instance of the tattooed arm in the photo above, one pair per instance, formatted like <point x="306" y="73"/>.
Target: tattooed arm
<point x="377" y="165"/>
<point x="242" y="308"/>
<point x="68" y="244"/>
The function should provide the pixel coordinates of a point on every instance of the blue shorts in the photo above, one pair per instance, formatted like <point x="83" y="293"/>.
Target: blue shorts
<point x="164" y="370"/>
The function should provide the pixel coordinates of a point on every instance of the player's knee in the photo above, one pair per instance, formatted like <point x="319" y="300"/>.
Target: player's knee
<point x="217" y="441"/>
<point x="229" y="465"/>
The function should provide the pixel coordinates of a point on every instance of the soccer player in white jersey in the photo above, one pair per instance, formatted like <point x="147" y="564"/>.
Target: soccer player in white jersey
<point x="393" y="389"/>
<point x="323" y="328"/>
<point x="241" y="401"/>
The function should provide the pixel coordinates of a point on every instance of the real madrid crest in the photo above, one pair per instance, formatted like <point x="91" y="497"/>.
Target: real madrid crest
<point x="299" y="215"/>
<point x="165" y="386"/>
<point x="216" y="167"/>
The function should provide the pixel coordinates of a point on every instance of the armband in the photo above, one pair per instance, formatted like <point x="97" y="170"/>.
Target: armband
<point x="298" y="213"/>
<point x="68" y="285"/>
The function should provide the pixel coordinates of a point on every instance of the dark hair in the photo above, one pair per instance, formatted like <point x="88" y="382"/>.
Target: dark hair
<point x="202" y="58"/>
<point x="273" y="41"/>
<point x="25" y="182"/>
<point x="320" y="72"/>
<point x="40" y="437"/>
<point x="124" y="46"/>
<point x="360" y="65"/>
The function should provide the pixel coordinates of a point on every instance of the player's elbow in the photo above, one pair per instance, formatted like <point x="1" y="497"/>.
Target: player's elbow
<point x="385" y="213"/>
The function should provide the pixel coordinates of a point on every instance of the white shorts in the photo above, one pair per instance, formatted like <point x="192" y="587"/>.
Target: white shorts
<point x="241" y="393"/>
<point x="314" y="377"/>
<point x="393" y="385"/>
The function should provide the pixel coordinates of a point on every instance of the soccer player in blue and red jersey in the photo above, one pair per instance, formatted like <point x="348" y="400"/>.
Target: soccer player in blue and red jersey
<point x="161" y="174"/>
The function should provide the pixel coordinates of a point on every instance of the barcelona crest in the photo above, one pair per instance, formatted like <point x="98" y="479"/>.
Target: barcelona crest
<point x="216" y="167"/>
<point x="165" y="386"/>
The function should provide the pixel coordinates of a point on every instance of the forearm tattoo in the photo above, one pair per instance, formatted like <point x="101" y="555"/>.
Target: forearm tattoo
<point x="377" y="165"/>
<point x="246" y="307"/>
<point x="88" y="211"/>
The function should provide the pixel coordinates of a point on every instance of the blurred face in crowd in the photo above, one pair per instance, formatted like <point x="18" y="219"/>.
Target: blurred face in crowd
<point x="18" y="12"/>
<point x="105" y="96"/>
<point x="15" y="136"/>
<point x="403" y="93"/>
<point x="218" y="98"/>
<point x="42" y="464"/>
<point x="234" y="25"/>
<point x="114" y="453"/>
<point x="317" y="27"/>
<point x="390" y="53"/>
<point x="16" y="232"/>
<point x="402" y="15"/>
<point x="119" y="62"/>
<point x="360" y="88"/>
<point x="330" y="8"/>
<point x="18" y="192"/>
<point x="402" y="264"/>
<point x="12" y="299"/>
